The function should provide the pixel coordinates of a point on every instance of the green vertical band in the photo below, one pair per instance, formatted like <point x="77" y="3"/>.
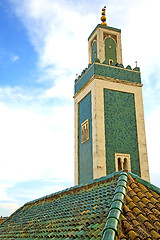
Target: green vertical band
<point x="85" y="149"/>
<point x="120" y="129"/>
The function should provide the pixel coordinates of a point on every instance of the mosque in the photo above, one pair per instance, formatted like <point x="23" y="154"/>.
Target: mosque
<point x="112" y="198"/>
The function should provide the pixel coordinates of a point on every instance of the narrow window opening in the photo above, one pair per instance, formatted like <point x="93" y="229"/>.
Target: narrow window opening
<point x="119" y="164"/>
<point x="125" y="165"/>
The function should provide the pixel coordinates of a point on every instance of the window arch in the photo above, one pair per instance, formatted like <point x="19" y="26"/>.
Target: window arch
<point x="119" y="164"/>
<point x="125" y="165"/>
<point x="110" y="51"/>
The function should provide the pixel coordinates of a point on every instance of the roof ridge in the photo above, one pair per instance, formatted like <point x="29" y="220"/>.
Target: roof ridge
<point x="111" y="228"/>
<point x="145" y="182"/>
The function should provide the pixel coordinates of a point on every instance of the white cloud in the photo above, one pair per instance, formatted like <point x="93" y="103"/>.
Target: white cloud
<point x="63" y="87"/>
<point x="3" y="189"/>
<point x="59" y="33"/>
<point x="153" y="133"/>
<point x="31" y="144"/>
<point x="16" y="94"/>
<point x="7" y="208"/>
<point x="14" y="58"/>
<point x="140" y="35"/>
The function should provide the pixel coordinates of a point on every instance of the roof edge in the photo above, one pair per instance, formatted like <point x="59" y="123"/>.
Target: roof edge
<point x="11" y="215"/>
<point x="101" y="179"/>
<point x="145" y="182"/>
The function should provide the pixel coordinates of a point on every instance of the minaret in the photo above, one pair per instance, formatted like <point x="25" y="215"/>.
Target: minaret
<point x="109" y="119"/>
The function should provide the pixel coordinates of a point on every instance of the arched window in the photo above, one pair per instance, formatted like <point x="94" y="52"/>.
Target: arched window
<point x="119" y="164"/>
<point x="110" y="51"/>
<point x="125" y="165"/>
<point x="122" y="161"/>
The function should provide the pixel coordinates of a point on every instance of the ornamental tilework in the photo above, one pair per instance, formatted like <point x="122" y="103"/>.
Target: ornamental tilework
<point x="120" y="128"/>
<point x="85" y="149"/>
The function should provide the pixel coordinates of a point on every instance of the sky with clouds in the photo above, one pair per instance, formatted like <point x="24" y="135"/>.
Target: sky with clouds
<point x="43" y="44"/>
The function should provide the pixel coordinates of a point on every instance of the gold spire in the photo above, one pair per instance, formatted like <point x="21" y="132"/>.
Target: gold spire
<point x="103" y="18"/>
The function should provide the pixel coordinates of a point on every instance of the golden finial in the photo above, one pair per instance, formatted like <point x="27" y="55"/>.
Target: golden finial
<point x="103" y="18"/>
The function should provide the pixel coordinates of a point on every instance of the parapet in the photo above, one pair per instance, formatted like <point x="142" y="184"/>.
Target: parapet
<point x="115" y="72"/>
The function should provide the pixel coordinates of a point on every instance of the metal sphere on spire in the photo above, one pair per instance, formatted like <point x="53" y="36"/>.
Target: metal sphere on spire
<point x="103" y="18"/>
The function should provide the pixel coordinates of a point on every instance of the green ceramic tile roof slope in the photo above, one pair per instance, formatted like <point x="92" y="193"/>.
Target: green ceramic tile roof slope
<point x="118" y="206"/>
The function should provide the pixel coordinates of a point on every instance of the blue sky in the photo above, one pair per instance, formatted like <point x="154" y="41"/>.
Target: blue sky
<point x="43" y="44"/>
<point x="18" y="59"/>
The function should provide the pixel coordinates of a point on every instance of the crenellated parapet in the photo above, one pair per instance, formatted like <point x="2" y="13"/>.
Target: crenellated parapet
<point x="111" y="72"/>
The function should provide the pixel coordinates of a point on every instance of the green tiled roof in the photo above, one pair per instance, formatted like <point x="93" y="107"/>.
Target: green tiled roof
<point x="78" y="212"/>
<point x="118" y="205"/>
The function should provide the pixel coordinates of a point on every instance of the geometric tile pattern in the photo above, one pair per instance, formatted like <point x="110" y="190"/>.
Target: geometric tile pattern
<point x="85" y="152"/>
<point x="120" y="128"/>
<point x="118" y="206"/>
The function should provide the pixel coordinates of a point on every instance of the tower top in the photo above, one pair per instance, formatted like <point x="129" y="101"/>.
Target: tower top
<point x="103" y="18"/>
